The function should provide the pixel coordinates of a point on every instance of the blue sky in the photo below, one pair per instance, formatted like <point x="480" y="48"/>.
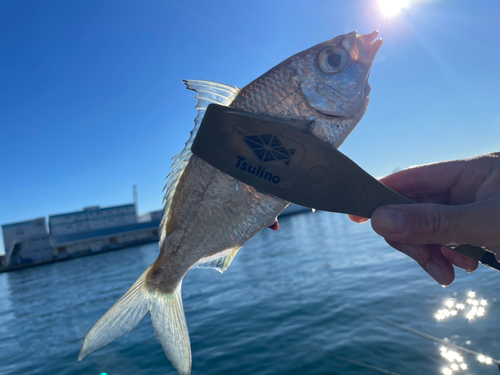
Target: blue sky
<point x="92" y="100"/>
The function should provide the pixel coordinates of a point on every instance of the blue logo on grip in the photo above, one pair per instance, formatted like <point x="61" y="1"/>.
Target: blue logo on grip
<point x="268" y="147"/>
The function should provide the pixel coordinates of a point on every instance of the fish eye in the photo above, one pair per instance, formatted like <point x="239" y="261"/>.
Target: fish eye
<point x="332" y="60"/>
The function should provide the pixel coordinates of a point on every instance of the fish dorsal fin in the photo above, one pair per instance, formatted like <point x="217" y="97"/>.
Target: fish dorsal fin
<point x="220" y="261"/>
<point x="207" y="92"/>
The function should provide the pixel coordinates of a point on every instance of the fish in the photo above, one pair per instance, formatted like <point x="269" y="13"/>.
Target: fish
<point x="208" y="216"/>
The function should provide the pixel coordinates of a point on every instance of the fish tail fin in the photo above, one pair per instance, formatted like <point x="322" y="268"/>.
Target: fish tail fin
<point x="167" y="316"/>
<point x="169" y="324"/>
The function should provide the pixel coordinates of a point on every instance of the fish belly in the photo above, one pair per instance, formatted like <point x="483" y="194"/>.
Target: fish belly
<point x="211" y="212"/>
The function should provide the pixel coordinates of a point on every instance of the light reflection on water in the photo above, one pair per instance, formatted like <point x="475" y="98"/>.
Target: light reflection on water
<point x="471" y="307"/>
<point x="476" y="308"/>
<point x="456" y="360"/>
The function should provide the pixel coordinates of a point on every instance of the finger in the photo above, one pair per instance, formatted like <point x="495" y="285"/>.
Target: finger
<point x="452" y="182"/>
<point x="426" y="180"/>
<point x="430" y="258"/>
<point x="419" y="253"/>
<point x="476" y="224"/>
<point x="358" y="219"/>
<point x="438" y="267"/>
<point x="460" y="260"/>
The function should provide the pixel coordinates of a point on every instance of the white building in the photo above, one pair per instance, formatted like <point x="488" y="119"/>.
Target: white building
<point x="78" y="233"/>
<point x="96" y="229"/>
<point x="92" y="218"/>
<point x="151" y="216"/>
<point x="26" y="242"/>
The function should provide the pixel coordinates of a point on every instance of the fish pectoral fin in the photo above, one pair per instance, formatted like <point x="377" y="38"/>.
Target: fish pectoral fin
<point x="167" y="316"/>
<point x="220" y="261"/>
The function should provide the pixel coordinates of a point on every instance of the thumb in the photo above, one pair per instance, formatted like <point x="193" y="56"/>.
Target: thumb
<point x="427" y="223"/>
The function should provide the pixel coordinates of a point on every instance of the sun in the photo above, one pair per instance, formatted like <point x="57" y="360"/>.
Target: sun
<point x="390" y="8"/>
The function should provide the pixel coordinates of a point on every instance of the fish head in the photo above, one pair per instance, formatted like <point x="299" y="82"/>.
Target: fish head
<point x="332" y="79"/>
<point x="333" y="76"/>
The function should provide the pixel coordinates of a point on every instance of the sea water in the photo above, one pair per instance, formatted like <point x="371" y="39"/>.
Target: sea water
<point x="280" y="308"/>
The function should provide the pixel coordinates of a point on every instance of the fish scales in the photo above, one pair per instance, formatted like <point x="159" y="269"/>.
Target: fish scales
<point x="209" y="215"/>
<point x="236" y="211"/>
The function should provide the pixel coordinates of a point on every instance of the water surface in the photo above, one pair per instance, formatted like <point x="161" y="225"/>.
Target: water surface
<point x="279" y="309"/>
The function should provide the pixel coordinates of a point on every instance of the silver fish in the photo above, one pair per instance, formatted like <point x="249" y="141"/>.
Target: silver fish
<point x="209" y="215"/>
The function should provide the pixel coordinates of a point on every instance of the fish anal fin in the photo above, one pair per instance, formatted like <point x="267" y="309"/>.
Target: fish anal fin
<point x="220" y="261"/>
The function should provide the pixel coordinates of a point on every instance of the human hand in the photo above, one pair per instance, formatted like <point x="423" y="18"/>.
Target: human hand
<point x="460" y="203"/>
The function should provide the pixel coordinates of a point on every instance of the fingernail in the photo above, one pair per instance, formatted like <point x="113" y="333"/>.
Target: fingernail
<point x="461" y="262"/>
<point x="389" y="220"/>
<point x="434" y="270"/>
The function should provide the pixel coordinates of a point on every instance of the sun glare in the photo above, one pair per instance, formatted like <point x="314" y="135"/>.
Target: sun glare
<point x="390" y="8"/>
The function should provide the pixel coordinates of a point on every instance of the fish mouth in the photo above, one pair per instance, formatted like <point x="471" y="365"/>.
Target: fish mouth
<point x="368" y="47"/>
<point x="367" y="50"/>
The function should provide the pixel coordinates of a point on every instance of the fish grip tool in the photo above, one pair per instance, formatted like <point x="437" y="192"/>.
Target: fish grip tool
<point x="270" y="154"/>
